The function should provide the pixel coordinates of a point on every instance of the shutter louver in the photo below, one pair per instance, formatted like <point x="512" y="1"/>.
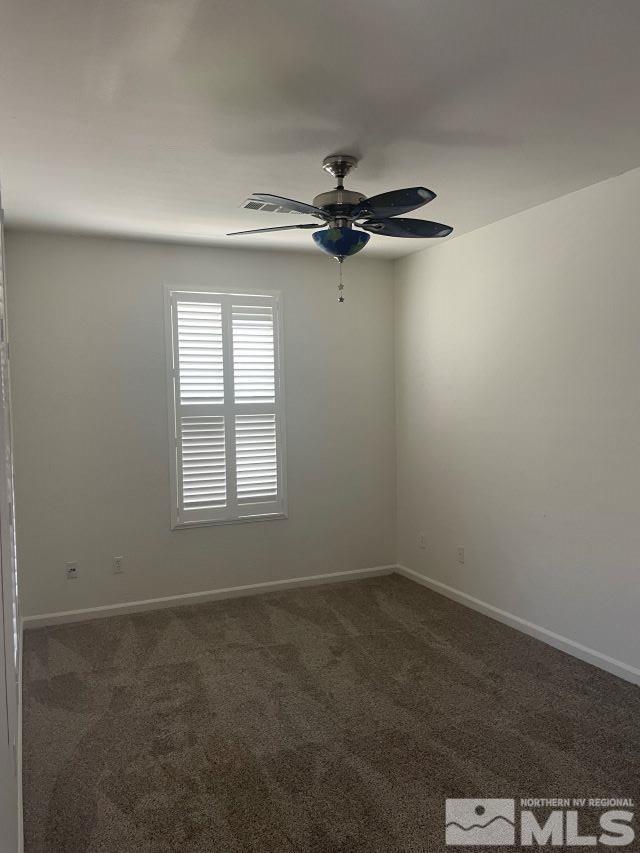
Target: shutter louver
<point x="204" y="478"/>
<point x="256" y="458"/>
<point x="225" y="407"/>
<point x="200" y="352"/>
<point x="253" y="354"/>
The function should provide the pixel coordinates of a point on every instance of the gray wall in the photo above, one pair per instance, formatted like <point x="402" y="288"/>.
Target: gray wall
<point x="518" y="415"/>
<point x="88" y="363"/>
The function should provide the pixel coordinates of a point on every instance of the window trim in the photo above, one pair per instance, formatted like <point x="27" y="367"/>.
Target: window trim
<point x="244" y="295"/>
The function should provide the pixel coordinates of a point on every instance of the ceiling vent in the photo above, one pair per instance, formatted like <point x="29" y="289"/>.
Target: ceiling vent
<point x="267" y="207"/>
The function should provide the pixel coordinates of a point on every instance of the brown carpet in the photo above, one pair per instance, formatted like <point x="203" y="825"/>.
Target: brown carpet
<point x="333" y="719"/>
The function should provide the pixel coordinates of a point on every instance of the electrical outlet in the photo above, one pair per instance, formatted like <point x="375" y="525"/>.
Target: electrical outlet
<point x="71" y="570"/>
<point x="118" y="565"/>
<point x="461" y="556"/>
<point x="422" y="541"/>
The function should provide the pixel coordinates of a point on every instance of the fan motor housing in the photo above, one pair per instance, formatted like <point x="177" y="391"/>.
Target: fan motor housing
<point x="338" y="202"/>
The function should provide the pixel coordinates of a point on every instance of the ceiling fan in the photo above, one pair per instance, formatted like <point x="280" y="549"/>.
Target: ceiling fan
<point x="348" y="217"/>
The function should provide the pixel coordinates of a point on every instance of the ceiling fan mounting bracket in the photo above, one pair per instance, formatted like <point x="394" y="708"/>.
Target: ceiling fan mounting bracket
<point x="339" y="165"/>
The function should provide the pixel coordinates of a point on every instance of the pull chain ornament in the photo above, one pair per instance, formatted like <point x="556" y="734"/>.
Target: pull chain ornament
<point x="340" y="284"/>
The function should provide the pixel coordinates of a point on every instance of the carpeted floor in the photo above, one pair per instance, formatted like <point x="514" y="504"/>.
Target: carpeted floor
<point x="333" y="719"/>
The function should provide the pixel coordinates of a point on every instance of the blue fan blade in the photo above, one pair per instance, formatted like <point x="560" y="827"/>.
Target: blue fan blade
<point x="277" y="228"/>
<point x="393" y="203"/>
<point x="287" y="205"/>
<point x="406" y="228"/>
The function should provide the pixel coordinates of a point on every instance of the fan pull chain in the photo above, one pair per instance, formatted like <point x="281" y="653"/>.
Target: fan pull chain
<point x="340" y="284"/>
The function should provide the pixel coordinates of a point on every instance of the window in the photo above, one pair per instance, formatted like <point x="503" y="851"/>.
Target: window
<point x="226" y="407"/>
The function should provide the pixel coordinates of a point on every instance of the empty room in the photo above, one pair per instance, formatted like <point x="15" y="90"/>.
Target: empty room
<point x="319" y="426"/>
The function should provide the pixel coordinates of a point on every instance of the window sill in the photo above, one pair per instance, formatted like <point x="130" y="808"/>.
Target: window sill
<point x="274" y="516"/>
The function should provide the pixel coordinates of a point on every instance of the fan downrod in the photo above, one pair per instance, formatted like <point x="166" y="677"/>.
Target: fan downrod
<point x="339" y="165"/>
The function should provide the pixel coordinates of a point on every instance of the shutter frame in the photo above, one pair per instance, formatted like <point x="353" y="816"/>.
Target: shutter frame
<point x="235" y="510"/>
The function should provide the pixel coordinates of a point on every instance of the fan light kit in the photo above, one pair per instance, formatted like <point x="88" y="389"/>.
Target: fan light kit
<point x="348" y="215"/>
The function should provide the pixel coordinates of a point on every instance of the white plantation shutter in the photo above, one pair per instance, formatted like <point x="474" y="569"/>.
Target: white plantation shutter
<point x="200" y="352"/>
<point x="256" y="458"/>
<point x="203" y="452"/>
<point x="227" y="453"/>
<point x="253" y="354"/>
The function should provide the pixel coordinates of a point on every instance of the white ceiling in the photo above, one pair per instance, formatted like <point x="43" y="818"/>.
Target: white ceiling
<point x="158" y="117"/>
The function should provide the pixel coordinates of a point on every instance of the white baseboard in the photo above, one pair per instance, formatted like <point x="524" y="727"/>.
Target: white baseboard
<point x="617" y="667"/>
<point x="62" y="617"/>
